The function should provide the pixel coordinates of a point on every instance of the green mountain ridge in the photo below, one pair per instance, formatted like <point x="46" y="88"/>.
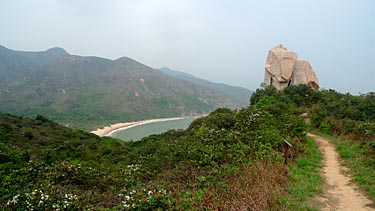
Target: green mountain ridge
<point x="239" y="93"/>
<point x="88" y="92"/>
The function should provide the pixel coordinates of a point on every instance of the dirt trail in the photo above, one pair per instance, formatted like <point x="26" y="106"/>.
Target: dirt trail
<point x="339" y="193"/>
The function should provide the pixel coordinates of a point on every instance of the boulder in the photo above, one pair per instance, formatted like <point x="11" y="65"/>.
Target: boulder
<point x="282" y="69"/>
<point x="304" y="74"/>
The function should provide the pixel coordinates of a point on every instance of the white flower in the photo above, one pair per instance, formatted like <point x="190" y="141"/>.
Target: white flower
<point x="14" y="200"/>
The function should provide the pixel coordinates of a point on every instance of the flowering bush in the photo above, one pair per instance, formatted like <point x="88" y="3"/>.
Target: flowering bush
<point x="155" y="200"/>
<point x="43" y="200"/>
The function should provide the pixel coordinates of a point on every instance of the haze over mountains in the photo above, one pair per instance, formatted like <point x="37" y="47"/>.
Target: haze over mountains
<point x="239" y="93"/>
<point x="91" y="91"/>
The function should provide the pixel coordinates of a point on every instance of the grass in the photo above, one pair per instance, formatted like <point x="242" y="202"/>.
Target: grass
<point x="360" y="162"/>
<point x="305" y="180"/>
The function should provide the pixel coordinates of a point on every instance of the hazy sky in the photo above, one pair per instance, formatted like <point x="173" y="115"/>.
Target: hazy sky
<point x="222" y="41"/>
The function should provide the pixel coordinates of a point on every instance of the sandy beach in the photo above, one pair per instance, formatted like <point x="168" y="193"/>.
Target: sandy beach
<point x="109" y="130"/>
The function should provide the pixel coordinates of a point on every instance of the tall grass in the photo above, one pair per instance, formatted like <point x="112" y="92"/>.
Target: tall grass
<point x="305" y="180"/>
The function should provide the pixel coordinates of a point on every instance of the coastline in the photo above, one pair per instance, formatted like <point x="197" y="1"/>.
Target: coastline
<point x="109" y="130"/>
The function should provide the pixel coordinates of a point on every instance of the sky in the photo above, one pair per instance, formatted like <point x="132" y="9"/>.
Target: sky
<point x="219" y="40"/>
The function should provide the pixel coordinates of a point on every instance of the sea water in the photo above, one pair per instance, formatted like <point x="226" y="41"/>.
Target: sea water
<point x="138" y="132"/>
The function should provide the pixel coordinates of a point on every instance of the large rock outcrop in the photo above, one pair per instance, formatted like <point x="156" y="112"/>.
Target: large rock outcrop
<point x="282" y="69"/>
<point x="304" y="74"/>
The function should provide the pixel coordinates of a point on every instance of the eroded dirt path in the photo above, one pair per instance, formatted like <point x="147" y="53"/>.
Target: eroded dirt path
<point x="339" y="193"/>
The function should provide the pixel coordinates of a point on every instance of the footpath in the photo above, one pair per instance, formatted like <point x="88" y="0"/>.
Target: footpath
<point x="339" y="193"/>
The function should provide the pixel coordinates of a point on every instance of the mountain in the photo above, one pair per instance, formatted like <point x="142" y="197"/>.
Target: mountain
<point x="238" y="93"/>
<point x="15" y="64"/>
<point x="87" y="92"/>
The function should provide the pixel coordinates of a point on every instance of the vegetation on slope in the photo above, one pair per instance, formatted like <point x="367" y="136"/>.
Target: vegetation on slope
<point x="350" y="120"/>
<point x="238" y="93"/>
<point x="226" y="160"/>
<point x="304" y="180"/>
<point x="329" y="111"/>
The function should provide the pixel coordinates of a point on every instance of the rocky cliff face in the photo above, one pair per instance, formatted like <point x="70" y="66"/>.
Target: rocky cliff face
<point x="282" y="69"/>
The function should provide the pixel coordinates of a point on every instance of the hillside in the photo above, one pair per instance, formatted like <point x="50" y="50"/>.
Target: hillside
<point x="86" y="92"/>
<point x="349" y="123"/>
<point x="48" y="166"/>
<point x="238" y="93"/>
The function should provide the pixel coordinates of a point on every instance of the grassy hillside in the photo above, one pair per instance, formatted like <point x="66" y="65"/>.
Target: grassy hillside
<point x="240" y="94"/>
<point x="349" y="120"/>
<point x="225" y="160"/>
<point x="328" y="111"/>
<point x="87" y="92"/>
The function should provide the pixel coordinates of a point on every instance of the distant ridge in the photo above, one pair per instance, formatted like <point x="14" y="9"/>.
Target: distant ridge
<point x="239" y="93"/>
<point x="87" y="92"/>
<point x="57" y="51"/>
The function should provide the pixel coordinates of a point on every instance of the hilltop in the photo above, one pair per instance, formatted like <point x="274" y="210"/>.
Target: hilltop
<point x="87" y="92"/>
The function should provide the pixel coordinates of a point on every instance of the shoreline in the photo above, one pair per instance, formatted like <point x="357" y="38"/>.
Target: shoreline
<point x="109" y="130"/>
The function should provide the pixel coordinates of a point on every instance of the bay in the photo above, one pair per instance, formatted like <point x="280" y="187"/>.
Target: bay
<point x="138" y="132"/>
